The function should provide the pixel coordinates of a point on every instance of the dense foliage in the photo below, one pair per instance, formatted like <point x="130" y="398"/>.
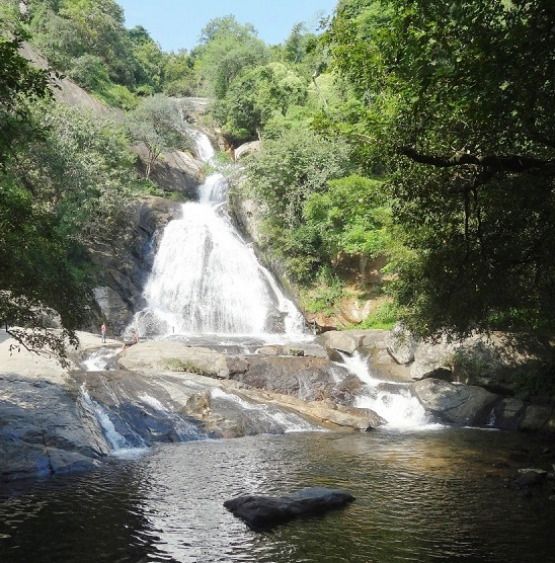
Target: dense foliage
<point x="468" y="140"/>
<point x="431" y="99"/>
<point x="415" y="134"/>
<point x="87" y="40"/>
<point x="32" y="242"/>
<point x="64" y="177"/>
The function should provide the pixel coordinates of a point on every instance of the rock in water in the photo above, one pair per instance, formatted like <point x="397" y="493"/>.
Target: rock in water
<point x="264" y="512"/>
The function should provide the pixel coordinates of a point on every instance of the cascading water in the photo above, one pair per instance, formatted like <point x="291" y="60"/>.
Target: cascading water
<point x="393" y="402"/>
<point x="207" y="280"/>
<point x="285" y="421"/>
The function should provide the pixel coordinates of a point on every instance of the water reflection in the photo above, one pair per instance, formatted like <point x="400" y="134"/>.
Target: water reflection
<point x="420" y="497"/>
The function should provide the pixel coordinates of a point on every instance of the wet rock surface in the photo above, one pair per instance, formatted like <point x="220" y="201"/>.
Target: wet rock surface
<point x="307" y="378"/>
<point x="458" y="404"/>
<point x="175" y="171"/>
<point x="43" y="430"/>
<point x="123" y="266"/>
<point x="265" y="512"/>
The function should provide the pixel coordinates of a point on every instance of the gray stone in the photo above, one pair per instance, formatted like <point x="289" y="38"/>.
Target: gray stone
<point x="164" y="355"/>
<point x="401" y="346"/>
<point x="509" y="414"/>
<point x="123" y="267"/>
<point x="174" y="171"/>
<point x="535" y="417"/>
<point x="116" y="312"/>
<point x="458" y="404"/>
<point x="340" y="341"/>
<point x="42" y="430"/>
<point x="265" y="512"/>
<point x="247" y="149"/>
<point x="307" y="377"/>
<point x="431" y="358"/>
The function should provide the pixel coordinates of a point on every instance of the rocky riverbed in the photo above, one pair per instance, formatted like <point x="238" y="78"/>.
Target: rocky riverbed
<point x="116" y="398"/>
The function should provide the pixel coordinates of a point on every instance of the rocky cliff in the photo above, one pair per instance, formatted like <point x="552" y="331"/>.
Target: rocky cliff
<point x="123" y="265"/>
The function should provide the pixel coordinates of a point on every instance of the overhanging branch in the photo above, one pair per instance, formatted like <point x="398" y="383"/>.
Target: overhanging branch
<point x="510" y="163"/>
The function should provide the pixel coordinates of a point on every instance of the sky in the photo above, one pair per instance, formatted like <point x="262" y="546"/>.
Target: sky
<point x="176" y="24"/>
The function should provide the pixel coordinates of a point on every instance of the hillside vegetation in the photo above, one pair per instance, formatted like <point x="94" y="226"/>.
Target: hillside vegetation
<point x="406" y="156"/>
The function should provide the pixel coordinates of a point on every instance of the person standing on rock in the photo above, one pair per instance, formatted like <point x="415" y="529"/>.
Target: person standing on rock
<point x="103" y="329"/>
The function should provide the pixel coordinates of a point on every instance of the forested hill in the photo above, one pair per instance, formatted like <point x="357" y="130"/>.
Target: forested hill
<point x="407" y="157"/>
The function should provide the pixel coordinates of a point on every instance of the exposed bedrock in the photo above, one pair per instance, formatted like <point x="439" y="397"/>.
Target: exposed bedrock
<point x="123" y="265"/>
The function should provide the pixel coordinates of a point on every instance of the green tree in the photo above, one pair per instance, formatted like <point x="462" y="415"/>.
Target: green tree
<point x="227" y="47"/>
<point x="180" y="78"/>
<point x="30" y="240"/>
<point x="149" y="61"/>
<point x="157" y="123"/>
<point x="352" y="216"/>
<point x="284" y="176"/>
<point x="69" y="29"/>
<point x="467" y="139"/>
<point x="255" y="95"/>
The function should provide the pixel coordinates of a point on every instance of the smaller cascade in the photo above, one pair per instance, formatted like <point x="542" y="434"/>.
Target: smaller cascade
<point x="398" y="407"/>
<point x="101" y="360"/>
<point x="119" y="444"/>
<point x="283" y="421"/>
<point x="205" y="150"/>
<point x="214" y="191"/>
<point x="184" y="431"/>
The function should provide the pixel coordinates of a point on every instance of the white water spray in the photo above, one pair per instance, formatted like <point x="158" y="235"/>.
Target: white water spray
<point x="120" y="446"/>
<point x="287" y="421"/>
<point x="207" y="280"/>
<point x="100" y="360"/>
<point x="398" y="407"/>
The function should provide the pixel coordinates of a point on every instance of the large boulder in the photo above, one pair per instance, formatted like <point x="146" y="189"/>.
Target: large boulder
<point x="247" y="149"/>
<point x="535" y="418"/>
<point x="167" y="355"/>
<point x="508" y="414"/>
<point x="265" y="512"/>
<point x="433" y="359"/>
<point x="68" y="92"/>
<point x="327" y="413"/>
<point x="305" y="377"/>
<point x="500" y="362"/>
<point x="174" y="171"/>
<point x="337" y="342"/>
<point x="375" y="347"/>
<point x="401" y="345"/>
<point x="457" y="404"/>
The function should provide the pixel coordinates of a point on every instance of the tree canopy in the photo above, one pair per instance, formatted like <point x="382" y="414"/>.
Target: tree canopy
<point x="467" y="141"/>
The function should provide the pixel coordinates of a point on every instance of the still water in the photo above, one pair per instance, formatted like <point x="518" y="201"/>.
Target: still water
<point x="436" y="496"/>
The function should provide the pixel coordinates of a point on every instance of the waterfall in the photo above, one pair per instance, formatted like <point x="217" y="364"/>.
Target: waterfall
<point x="392" y="401"/>
<point x="207" y="280"/>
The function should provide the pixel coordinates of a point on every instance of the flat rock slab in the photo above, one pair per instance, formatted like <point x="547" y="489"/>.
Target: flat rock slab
<point x="265" y="512"/>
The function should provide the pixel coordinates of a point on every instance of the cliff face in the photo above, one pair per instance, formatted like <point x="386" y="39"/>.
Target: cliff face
<point x="123" y="266"/>
<point x="68" y="92"/>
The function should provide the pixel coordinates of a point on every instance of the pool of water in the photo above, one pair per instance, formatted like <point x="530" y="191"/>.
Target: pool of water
<point x="436" y="496"/>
